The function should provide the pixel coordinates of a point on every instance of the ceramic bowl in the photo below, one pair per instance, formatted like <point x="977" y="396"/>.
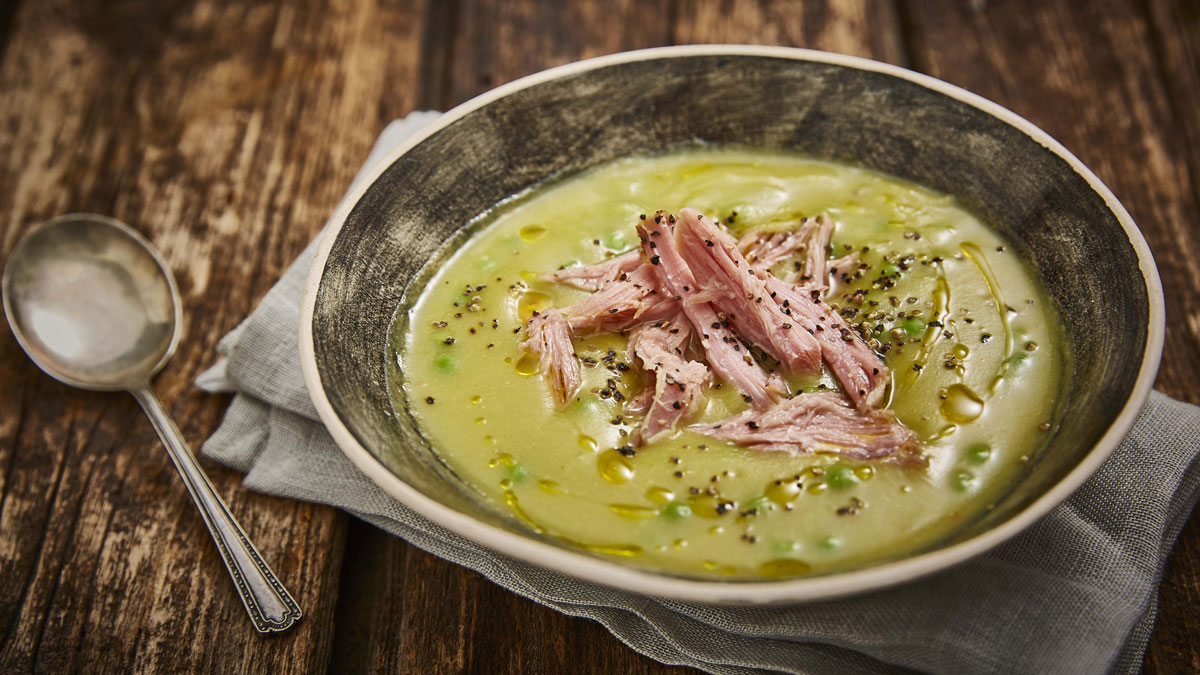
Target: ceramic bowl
<point x="1058" y="215"/>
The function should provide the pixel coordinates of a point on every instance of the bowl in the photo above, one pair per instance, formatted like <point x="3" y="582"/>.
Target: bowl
<point x="1074" y="233"/>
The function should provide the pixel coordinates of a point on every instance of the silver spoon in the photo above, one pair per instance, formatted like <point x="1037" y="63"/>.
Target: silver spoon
<point x="93" y="304"/>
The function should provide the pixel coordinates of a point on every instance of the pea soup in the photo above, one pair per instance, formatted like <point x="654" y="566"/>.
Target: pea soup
<point x="976" y="353"/>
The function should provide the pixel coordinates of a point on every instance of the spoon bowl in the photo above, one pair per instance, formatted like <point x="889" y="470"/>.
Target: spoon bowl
<point x="95" y="306"/>
<point x="91" y="303"/>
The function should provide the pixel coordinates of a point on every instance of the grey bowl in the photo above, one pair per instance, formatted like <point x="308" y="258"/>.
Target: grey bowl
<point x="1060" y="217"/>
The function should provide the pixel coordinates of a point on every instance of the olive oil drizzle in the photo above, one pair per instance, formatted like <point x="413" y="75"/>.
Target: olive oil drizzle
<point x="623" y="550"/>
<point x="976" y="256"/>
<point x="941" y="311"/>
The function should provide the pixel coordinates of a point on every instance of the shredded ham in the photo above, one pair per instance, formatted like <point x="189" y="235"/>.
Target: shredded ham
<point x="627" y="301"/>
<point x="691" y="282"/>
<point x="547" y="336"/>
<point x="599" y="275"/>
<point x="843" y="265"/>
<point x="857" y="367"/>
<point x="763" y="249"/>
<point x="677" y="383"/>
<point x="724" y="351"/>
<point x="814" y="271"/>
<point x="726" y="277"/>
<point x="818" y="421"/>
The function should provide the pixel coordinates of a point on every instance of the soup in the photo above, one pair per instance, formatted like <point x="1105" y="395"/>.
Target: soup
<point x="974" y="355"/>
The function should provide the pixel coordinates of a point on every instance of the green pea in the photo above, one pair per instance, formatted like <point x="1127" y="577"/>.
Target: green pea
<point x="518" y="473"/>
<point x="979" y="453"/>
<point x="840" y="476"/>
<point x="785" y="546"/>
<point x="830" y="543"/>
<point x="1016" y="359"/>
<point x="963" y="481"/>
<point x="677" y="510"/>
<point x="913" y="326"/>
<point x="445" y="363"/>
<point x="616" y="241"/>
<point x="585" y="405"/>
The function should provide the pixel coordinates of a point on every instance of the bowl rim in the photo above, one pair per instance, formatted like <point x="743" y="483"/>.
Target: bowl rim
<point x="609" y="573"/>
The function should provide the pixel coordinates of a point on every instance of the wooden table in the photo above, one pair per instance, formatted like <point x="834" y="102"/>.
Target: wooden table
<point x="227" y="130"/>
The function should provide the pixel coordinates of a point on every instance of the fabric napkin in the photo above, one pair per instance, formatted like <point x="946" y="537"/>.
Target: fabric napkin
<point x="1075" y="593"/>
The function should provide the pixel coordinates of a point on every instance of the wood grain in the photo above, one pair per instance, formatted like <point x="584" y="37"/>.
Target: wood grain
<point x="227" y="130"/>
<point x="1174" y="32"/>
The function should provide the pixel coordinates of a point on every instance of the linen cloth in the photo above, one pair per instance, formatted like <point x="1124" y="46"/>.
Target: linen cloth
<point x="1075" y="593"/>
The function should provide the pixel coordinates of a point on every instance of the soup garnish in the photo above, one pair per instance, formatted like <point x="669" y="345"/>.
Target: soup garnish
<point x="692" y="292"/>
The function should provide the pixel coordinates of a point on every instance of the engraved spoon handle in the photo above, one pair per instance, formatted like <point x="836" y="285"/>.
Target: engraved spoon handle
<point x="271" y="607"/>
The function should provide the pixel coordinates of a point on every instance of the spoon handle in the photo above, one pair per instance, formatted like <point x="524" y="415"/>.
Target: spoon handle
<point x="271" y="607"/>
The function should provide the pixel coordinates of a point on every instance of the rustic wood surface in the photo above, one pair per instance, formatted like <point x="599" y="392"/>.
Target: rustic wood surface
<point x="226" y="130"/>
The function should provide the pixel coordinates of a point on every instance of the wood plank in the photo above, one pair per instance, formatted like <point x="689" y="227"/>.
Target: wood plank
<point x="864" y="28"/>
<point x="226" y="132"/>
<point x="495" y="42"/>
<point x="1175" y="36"/>
<point x="1097" y="87"/>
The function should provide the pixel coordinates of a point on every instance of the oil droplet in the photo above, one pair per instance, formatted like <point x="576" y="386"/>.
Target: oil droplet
<point x="784" y="567"/>
<point x="532" y="302"/>
<point x="660" y="495"/>
<point x="587" y="443"/>
<point x="528" y="365"/>
<point x="864" y="472"/>
<point x="960" y="351"/>
<point x="615" y="468"/>
<point x="633" y="512"/>
<point x="551" y="487"/>
<point x="784" y="491"/>
<point x="961" y="404"/>
<point x="528" y="275"/>
<point x="502" y="458"/>
<point x="489" y="440"/>
<point x="508" y="360"/>
<point x="680" y="544"/>
<point x="505" y="483"/>
<point x="716" y="529"/>
<point x="480" y="420"/>
<point x="476" y="400"/>
<point x="532" y="233"/>
<point x="510" y="498"/>
<point x="942" y="433"/>
<point x="708" y="506"/>
<point x="817" y="487"/>
<point x="710" y="565"/>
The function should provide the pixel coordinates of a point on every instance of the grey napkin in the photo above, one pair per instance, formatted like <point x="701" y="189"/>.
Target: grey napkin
<point x="1076" y="593"/>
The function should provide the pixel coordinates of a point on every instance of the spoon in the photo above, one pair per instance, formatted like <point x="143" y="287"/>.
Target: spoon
<point x="94" y="305"/>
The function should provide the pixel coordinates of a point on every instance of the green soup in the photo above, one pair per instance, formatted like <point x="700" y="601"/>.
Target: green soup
<point x="976" y="349"/>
